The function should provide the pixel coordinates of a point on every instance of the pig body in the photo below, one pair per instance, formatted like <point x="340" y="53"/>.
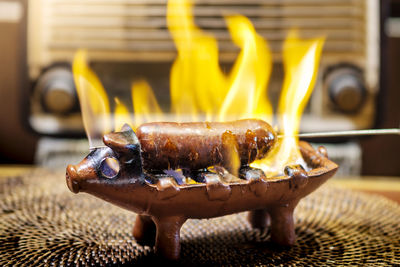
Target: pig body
<point x="115" y="174"/>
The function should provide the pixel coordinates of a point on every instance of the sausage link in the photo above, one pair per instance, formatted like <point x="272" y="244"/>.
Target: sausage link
<point x="198" y="145"/>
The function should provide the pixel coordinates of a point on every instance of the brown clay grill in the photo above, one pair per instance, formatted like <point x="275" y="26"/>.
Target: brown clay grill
<point x="163" y="205"/>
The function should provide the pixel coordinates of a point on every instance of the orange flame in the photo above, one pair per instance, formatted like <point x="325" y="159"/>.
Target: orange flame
<point x="300" y="59"/>
<point x="92" y="97"/>
<point x="247" y="94"/>
<point x="145" y="104"/>
<point x="197" y="84"/>
<point x="200" y="90"/>
<point x="121" y="115"/>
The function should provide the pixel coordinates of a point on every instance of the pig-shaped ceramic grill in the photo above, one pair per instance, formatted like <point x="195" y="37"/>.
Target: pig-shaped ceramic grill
<point x="115" y="173"/>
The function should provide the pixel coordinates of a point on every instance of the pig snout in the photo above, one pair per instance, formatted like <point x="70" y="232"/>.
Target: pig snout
<point x="72" y="179"/>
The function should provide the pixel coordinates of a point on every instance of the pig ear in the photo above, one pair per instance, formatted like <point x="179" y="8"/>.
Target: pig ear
<point x="127" y="146"/>
<point x="124" y="142"/>
<point x="126" y="128"/>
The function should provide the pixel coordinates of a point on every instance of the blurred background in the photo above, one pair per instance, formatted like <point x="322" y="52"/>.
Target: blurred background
<point x="40" y="121"/>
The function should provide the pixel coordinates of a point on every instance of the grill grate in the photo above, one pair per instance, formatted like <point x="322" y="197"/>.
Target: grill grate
<point x="43" y="224"/>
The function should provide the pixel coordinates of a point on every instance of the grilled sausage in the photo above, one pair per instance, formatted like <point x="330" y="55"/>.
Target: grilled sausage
<point x="198" y="145"/>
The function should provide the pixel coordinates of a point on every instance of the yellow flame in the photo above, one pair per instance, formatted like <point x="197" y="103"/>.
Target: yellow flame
<point x="301" y="59"/>
<point x="92" y="97"/>
<point x="247" y="94"/>
<point x="145" y="105"/>
<point x="197" y="84"/>
<point x="200" y="90"/>
<point x="121" y="115"/>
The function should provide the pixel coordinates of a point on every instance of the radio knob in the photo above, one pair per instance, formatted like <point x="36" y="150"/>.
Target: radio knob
<point x="346" y="89"/>
<point x="57" y="89"/>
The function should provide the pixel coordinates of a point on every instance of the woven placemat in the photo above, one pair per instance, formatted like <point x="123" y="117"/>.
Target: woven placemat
<point x="42" y="223"/>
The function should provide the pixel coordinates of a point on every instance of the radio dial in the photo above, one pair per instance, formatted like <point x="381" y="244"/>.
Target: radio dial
<point x="57" y="89"/>
<point x="346" y="90"/>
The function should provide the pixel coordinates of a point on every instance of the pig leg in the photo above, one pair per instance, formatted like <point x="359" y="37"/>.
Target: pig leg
<point x="168" y="237"/>
<point x="144" y="230"/>
<point x="282" y="225"/>
<point x="259" y="219"/>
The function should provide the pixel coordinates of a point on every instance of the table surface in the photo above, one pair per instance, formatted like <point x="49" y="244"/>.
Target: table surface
<point x="388" y="187"/>
<point x="329" y="227"/>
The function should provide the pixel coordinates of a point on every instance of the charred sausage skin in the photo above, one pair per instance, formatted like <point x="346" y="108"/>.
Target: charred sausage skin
<point x="198" y="145"/>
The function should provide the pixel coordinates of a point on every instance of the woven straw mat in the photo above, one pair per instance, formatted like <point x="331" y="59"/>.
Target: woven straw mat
<point x="42" y="223"/>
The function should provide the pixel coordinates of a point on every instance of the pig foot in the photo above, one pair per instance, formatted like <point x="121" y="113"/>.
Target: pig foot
<point x="144" y="230"/>
<point x="259" y="219"/>
<point x="282" y="225"/>
<point x="168" y="237"/>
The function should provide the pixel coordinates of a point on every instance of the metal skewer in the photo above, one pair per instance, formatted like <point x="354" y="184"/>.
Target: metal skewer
<point x="394" y="131"/>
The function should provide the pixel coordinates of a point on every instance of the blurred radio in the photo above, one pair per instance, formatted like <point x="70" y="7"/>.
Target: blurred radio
<point x="128" y="40"/>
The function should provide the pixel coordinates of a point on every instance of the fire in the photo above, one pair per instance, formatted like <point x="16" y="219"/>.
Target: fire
<point x="200" y="90"/>
<point x="92" y="97"/>
<point x="145" y="105"/>
<point x="197" y="84"/>
<point x="247" y="87"/>
<point x="121" y="115"/>
<point x="300" y="59"/>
